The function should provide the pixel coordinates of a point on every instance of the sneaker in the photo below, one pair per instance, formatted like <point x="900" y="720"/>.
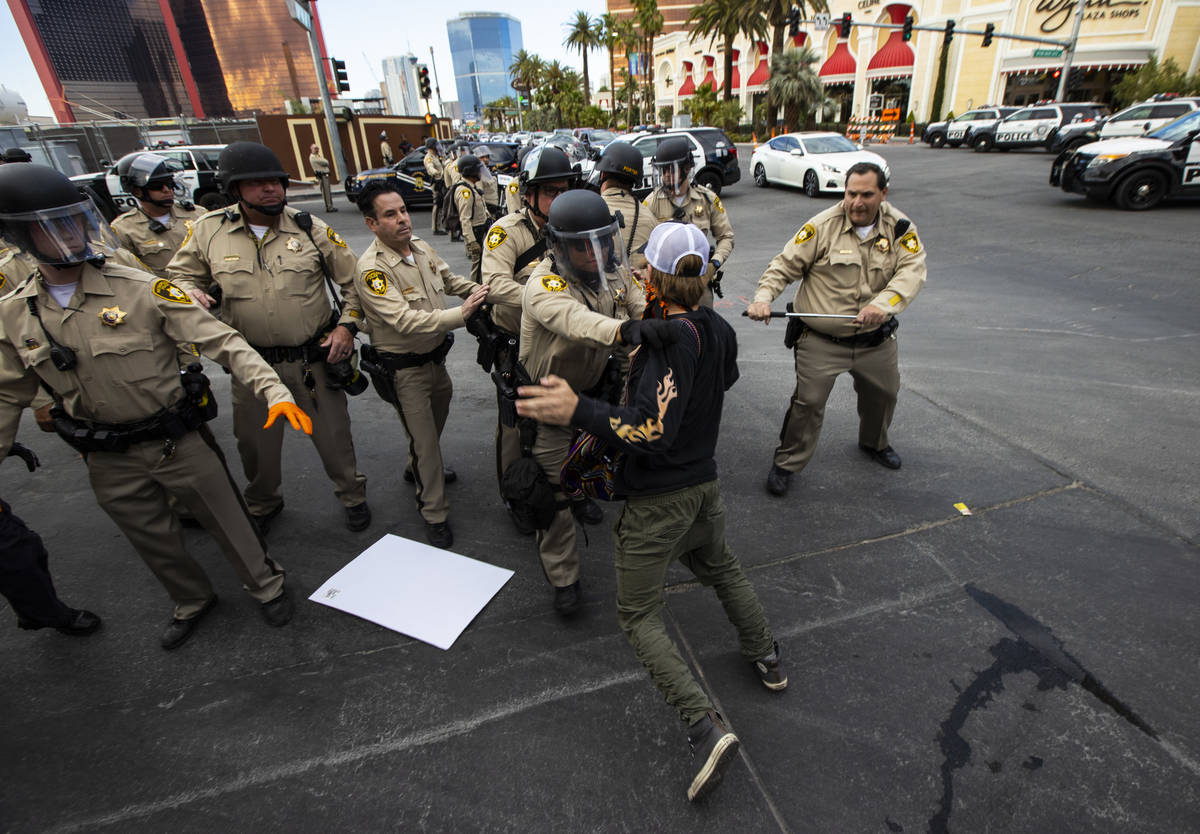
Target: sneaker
<point x="714" y="747"/>
<point x="358" y="517"/>
<point x="770" y="672"/>
<point x="278" y="612"/>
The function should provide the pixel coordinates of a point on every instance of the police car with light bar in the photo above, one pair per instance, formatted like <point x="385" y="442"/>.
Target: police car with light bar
<point x="1135" y="172"/>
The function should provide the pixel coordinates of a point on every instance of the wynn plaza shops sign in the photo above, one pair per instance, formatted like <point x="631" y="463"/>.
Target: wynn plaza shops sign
<point x="1100" y="17"/>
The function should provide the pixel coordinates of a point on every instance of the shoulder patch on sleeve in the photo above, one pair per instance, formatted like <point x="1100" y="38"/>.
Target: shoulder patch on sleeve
<point x="513" y="188"/>
<point x="553" y="283"/>
<point x="375" y="282"/>
<point x="464" y="194"/>
<point x="911" y="242"/>
<point x="3" y="281"/>
<point x="717" y="204"/>
<point x="806" y="233"/>
<point x="167" y="291"/>
<point x="334" y="237"/>
<point x="495" y="237"/>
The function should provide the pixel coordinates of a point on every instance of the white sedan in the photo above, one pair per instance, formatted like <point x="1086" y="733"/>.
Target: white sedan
<point x="815" y="162"/>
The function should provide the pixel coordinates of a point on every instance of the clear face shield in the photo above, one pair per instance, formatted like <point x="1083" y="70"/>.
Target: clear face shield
<point x="161" y="180"/>
<point x="673" y="177"/>
<point x="591" y="256"/>
<point x="63" y="236"/>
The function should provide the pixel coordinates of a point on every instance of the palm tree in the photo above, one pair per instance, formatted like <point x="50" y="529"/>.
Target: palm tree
<point x="584" y="35"/>
<point x="554" y="81"/>
<point x="650" y="21"/>
<point x="776" y="12"/>
<point x="795" y="85"/>
<point x="610" y="36"/>
<point x="525" y="71"/>
<point x="631" y="40"/>
<point x="727" y="19"/>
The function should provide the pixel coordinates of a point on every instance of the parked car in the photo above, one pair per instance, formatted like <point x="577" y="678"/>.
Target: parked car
<point x="1135" y="172"/>
<point x="409" y="172"/>
<point x="1036" y="126"/>
<point x="815" y="162"/>
<point x="597" y="137"/>
<point x="957" y="131"/>
<point x="198" y="178"/>
<point x="1147" y="116"/>
<point x="715" y="156"/>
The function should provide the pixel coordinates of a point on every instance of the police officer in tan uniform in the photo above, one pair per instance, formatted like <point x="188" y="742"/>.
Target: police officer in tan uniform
<point x="472" y="209"/>
<point x="102" y="337"/>
<point x="487" y="180"/>
<point x="403" y="285"/>
<point x="681" y="200"/>
<point x="320" y="166"/>
<point x="578" y="304"/>
<point x="385" y="148"/>
<point x="513" y="248"/>
<point x="435" y="167"/>
<point x="155" y="229"/>
<point x="861" y="264"/>
<point x="270" y="262"/>
<point x="620" y="168"/>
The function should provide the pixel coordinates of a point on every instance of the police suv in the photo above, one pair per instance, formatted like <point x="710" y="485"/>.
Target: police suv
<point x="197" y="181"/>
<point x="1135" y="172"/>
<point x="958" y="130"/>
<point x="1036" y="126"/>
<point x="1137" y="120"/>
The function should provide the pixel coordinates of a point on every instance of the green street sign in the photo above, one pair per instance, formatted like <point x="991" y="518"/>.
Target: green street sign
<point x="1047" y="53"/>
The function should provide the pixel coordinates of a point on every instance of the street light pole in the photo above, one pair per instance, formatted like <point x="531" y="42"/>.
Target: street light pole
<point x="1070" y="51"/>
<point x="301" y="13"/>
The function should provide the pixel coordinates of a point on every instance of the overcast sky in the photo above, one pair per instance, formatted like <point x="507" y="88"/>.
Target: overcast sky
<point x="364" y="32"/>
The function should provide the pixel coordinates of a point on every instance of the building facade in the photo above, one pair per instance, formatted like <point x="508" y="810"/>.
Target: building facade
<point x="401" y="86"/>
<point x="153" y="58"/>
<point x="482" y="47"/>
<point x="875" y="69"/>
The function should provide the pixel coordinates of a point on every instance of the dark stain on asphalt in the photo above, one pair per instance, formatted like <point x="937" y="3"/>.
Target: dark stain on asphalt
<point x="1035" y="650"/>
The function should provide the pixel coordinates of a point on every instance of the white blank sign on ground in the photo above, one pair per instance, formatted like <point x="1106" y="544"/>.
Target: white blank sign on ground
<point x="418" y="590"/>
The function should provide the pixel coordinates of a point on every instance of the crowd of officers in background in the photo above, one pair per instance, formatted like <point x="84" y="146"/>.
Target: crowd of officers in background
<point x="100" y="329"/>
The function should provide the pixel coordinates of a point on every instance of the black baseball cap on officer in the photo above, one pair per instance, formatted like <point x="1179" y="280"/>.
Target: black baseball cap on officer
<point x="143" y="171"/>
<point x="469" y="165"/>
<point x="673" y="162"/>
<point x="44" y="214"/>
<point x="240" y="161"/>
<point x="584" y="237"/>
<point x="622" y="161"/>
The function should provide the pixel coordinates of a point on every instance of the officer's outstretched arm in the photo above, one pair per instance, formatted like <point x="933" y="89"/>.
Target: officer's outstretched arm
<point x="294" y="414"/>
<point x="18" y="387"/>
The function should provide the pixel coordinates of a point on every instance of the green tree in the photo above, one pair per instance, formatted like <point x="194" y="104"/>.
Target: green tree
<point x="1153" y="78"/>
<point x="650" y="24"/>
<point x="795" y="85"/>
<point x="702" y="106"/>
<point x="631" y="40"/>
<point x="776" y="12"/>
<point x="666" y="114"/>
<point x="726" y="19"/>
<point x="610" y="36"/>
<point x="584" y="35"/>
<point x="526" y="72"/>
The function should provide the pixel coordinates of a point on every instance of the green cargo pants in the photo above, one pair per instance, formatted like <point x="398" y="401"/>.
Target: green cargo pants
<point x="688" y="525"/>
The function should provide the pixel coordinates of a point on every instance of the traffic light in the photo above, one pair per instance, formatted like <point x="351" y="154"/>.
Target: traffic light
<point x="339" y="75"/>
<point x="949" y="33"/>
<point x="423" y="81"/>
<point x="908" y="25"/>
<point x="428" y="118"/>
<point x="844" y="26"/>
<point x="987" y="34"/>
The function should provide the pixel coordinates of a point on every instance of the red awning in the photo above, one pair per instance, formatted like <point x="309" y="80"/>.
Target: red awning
<point x="689" y="86"/>
<point x="840" y="67"/>
<point x="709" y="78"/>
<point x="895" y="58"/>
<point x="761" y="74"/>
<point x="799" y="38"/>
<point x="737" y="76"/>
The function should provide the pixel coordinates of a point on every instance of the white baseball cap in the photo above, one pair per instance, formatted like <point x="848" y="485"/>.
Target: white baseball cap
<point x="669" y="243"/>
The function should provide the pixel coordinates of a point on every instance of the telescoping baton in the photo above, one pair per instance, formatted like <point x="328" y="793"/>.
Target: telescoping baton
<point x="776" y="315"/>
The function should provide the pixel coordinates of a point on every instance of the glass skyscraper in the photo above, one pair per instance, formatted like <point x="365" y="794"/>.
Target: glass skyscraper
<point x="482" y="46"/>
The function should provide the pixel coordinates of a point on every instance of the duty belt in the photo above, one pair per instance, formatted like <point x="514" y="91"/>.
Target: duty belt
<point x="872" y="339"/>
<point x="400" y="361"/>
<point x="168" y="425"/>
<point x="310" y="351"/>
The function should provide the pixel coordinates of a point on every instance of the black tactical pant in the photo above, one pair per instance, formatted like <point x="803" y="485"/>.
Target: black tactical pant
<point x="25" y="574"/>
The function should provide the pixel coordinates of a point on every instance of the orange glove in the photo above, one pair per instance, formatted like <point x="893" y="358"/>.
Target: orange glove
<point x="294" y="414"/>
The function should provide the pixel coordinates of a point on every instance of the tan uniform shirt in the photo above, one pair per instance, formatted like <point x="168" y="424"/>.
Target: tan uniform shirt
<point x="320" y="164"/>
<point x="274" y="289"/>
<point x="568" y="330"/>
<point x="472" y="210"/>
<point x="512" y="196"/>
<point x="386" y="150"/>
<point x="702" y="209"/>
<point x="434" y="166"/>
<point x="450" y="173"/>
<point x="491" y="191"/>
<point x="155" y="248"/>
<point x="405" y="304"/>
<point x="510" y="237"/>
<point x="843" y="273"/>
<point x="635" y="232"/>
<point x="124" y="326"/>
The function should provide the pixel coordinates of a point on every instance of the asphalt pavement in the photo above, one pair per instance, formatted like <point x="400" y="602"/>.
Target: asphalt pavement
<point x="1030" y="667"/>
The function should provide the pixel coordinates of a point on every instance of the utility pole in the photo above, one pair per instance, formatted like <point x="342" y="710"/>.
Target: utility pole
<point x="300" y="13"/>
<point x="437" y="87"/>
<point x="1070" y="51"/>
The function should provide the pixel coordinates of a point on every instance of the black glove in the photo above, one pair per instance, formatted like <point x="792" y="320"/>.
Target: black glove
<point x="26" y="454"/>
<point x="655" y="333"/>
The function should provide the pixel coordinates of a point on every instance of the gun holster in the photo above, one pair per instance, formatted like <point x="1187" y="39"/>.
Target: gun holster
<point x="795" y="328"/>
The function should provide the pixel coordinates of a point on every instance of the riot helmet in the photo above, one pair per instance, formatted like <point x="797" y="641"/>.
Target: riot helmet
<point x="431" y="144"/>
<point x="143" y="172"/>
<point x="544" y="165"/>
<point x="673" y="165"/>
<point x="585" y="238"/>
<point x="621" y="161"/>
<point x="44" y="215"/>
<point x="16" y="155"/>
<point x="250" y="161"/>
<point x="469" y="166"/>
